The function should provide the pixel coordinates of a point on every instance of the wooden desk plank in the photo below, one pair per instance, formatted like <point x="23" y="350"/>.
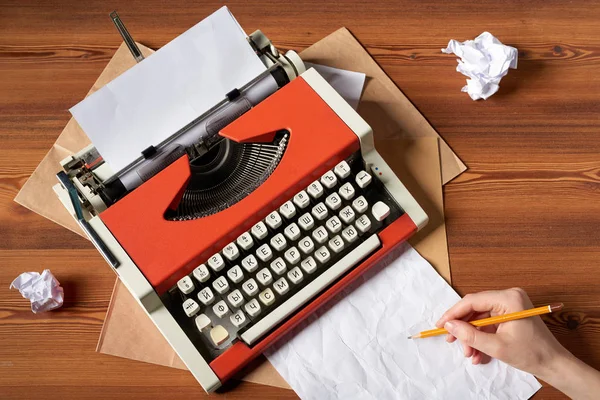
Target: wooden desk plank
<point x="526" y="213"/>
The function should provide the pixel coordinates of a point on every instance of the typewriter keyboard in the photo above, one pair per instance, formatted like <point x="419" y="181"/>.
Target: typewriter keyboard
<point x="281" y="263"/>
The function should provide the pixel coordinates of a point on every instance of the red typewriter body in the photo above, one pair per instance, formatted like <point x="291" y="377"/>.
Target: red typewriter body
<point x="165" y="251"/>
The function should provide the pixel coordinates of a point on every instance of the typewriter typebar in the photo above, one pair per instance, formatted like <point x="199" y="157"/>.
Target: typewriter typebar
<point x="289" y="204"/>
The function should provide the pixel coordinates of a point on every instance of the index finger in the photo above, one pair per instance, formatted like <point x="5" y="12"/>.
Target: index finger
<point x="491" y="301"/>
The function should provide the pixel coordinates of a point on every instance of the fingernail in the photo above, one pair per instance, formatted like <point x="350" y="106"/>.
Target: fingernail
<point x="450" y="326"/>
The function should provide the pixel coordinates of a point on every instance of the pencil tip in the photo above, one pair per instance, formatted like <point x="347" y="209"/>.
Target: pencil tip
<point x="410" y="337"/>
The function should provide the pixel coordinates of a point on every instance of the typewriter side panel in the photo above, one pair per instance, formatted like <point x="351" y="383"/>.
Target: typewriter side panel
<point x="145" y="295"/>
<point x="373" y="160"/>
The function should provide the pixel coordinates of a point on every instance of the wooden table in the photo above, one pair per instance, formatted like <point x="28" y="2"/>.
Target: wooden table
<point x="527" y="213"/>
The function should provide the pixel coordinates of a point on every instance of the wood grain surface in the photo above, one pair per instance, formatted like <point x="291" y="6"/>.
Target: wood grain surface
<point x="527" y="213"/>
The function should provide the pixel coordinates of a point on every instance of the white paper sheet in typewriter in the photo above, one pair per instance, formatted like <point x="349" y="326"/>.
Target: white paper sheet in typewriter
<point x="169" y="89"/>
<point x="358" y="347"/>
<point x="348" y="84"/>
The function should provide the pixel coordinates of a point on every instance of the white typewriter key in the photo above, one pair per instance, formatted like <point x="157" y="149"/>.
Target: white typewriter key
<point x="238" y="319"/>
<point x="295" y="275"/>
<point x="347" y="191"/>
<point x="323" y="255"/>
<point x="278" y="242"/>
<point x="288" y="209"/>
<point x="336" y="244"/>
<point x="201" y="273"/>
<point x="319" y="211"/>
<point x="309" y="265"/>
<point x="306" y="245"/>
<point x="333" y="201"/>
<point x="264" y="253"/>
<point x="342" y="169"/>
<point x="363" y="179"/>
<point x="278" y="266"/>
<point x="301" y="199"/>
<point x="360" y="204"/>
<point x="281" y="286"/>
<point x="231" y="251"/>
<point x="333" y="224"/>
<point x="320" y="235"/>
<point x="260" y="230"/>
<point x="363" y="223"/>
<point x="221" y="285"/>
<point x="349" y="234"/>
<point x="380" y="211"/>
<point x="203" y="322"/>
<point x="245" y="241"/>
<point x="273" y="220"/>
<point x="220" y="309"/>
<point x="235" y="274"/>
<point x="206" y="296"/>
<point x="252" y="308"/>
<point x="249" y="263"/>
<point x="306" y="221"/>
<point x="190" y="307"/>
<point x="292" y="231"/>
<point x="264" y="276"/>
<point x="315" y="190"/>
<point x="329" y="179"/>
<point x="186" y="285"/>
<point x="292" y="255"/>
<point x="219" y="335"/>
<point x="347" y="214"/>
<point x="235" y="298"/>
<point x="250" y="287"/>
<point x="216" y="262"/>
<point x="267" y="297"/>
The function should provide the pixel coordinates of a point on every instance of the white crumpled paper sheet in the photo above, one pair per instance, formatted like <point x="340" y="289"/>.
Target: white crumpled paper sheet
<point x="485" y="60"/>
<point x="357" y="348"/>
<point x="43" y="290"/>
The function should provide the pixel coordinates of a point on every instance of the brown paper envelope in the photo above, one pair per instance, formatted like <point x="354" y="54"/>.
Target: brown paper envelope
<point x="417" y="163"/>
<point x="382" y="105"/>
<point x="129" y="333"/>
<point x="381" y="99"/>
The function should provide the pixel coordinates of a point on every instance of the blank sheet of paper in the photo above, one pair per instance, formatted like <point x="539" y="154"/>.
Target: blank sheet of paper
<point x="157" y="97"/>
<point x="357" y="348"/>
<point x="348" y="84"/>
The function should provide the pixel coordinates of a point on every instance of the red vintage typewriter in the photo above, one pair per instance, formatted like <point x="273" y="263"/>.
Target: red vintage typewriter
<point x="230" y="243"/>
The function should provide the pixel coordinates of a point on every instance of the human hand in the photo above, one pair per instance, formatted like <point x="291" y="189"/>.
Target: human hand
<point x="526" y="344"/>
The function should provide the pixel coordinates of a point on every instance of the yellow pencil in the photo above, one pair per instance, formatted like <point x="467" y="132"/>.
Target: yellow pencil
<point x="495" y="320"/>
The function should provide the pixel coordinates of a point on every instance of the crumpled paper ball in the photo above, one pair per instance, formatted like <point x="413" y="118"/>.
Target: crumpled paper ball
<point x="43" y="290"/>
<point x="485" y="60"/>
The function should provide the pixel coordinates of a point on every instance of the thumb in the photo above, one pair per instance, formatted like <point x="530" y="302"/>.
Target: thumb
<point x="468" y="335"/>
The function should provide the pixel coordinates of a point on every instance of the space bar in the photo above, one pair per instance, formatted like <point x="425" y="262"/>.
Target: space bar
<point x="309" y="291"/>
